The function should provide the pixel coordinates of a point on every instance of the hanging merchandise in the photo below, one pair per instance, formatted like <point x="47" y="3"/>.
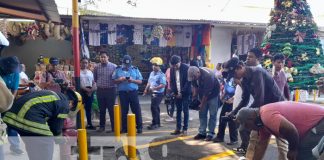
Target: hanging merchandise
<point x="206" y="35"/>
<point x="168" y="33"/>
<point x="147" y="32"/>
<point x="157" y="31"/>
<point x="240" y="44"/>
<point x="317" y="69"/>
<point x="187" y="30"/>
<point x="84" y="47"/>
<point x="179" y="36"/>
<point x="125" y="34"/>
<point x="112" y="34"/>
<point x="103" y="34"/>
<point x="163" y="42"/>
<point x="94" y="33"/>
<point x="138" y="34"/>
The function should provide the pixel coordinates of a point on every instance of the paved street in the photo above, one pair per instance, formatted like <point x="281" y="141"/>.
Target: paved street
<point x="158" y="144"/>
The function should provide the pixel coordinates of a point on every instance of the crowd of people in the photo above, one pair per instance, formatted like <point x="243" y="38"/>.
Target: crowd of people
<point x="255" y="103"/>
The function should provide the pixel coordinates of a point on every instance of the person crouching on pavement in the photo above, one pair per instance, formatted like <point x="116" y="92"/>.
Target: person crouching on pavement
<point x="38" y="117"/>
<point x="128" y="77"/>
<point x="181" y="89"/>
<point x="156" y="86"/>
<point x="206" y="88"/>
<point x="301" y="124"/>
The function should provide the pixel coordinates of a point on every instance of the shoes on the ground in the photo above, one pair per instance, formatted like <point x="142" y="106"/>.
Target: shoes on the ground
<point x="101" y="130"/>
<point x="209" y="138"/>
<point x="232" y="143"/>
<point x="169" y="119"/>
<point x="218" y="140"/>
<point x="90" y="127"/>
<point x="176" y="132"/>
<point x="240" y="150"/>
<point x="184" y="133"/>
<point x="153" y="126"/>
<point x="139" y="131"/>
<point x="17" y="151"/>
<point x="199" y="137"/>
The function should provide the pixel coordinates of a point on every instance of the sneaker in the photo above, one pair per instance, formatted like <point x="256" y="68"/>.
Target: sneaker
<point x="153" y="127"/>
<point x="218" y="140"/>
<point x="232" y="143"/>
<point x="90" y="127"/>
<point x="101" y="130"/>
<point x="176" y="132"/>
<point x="209" y="138"/>
<point x="17" y="151"/>
<point x="184" y="133"/>
<point x="199" y="137"/>
<point x="169" y="119"/>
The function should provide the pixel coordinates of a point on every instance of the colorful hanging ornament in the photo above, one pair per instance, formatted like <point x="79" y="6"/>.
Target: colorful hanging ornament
<point x="288" y="72"/>
<point x="303" y="57"/>
<point x="287" y="50"/>
<point x="267" y="63"/>
<point x="287" y="3"/>
<point x="318" y="51"/>
<point x="317" y="69"/>
<point x="265" y="49"/>
<point x="299" y="37"/>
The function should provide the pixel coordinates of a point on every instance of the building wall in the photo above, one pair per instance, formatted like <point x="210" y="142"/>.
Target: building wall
<point x="29" y="52"/>
<point x="221" y="39"/>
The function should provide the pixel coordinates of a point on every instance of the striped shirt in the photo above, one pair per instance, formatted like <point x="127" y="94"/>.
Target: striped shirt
<point x="103" y="75"/>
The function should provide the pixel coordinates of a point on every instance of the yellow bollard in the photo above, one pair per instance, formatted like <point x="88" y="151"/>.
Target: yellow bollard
<point x="296" y="95"/>
<point x="314" y="94"/>
<point x="131" y="128"/>
<point x="82" y="114"/>
<point x="83" y="146"/>
<point x="117" y="122"/>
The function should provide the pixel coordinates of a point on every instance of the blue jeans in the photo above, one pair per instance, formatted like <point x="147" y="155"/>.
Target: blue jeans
<point x="182" y="106"/>
<point x="1" y="152"/>
<point x="13" y="138"/>
<point x="211" y="106"/>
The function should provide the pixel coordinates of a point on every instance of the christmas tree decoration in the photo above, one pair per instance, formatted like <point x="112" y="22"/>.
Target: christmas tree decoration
<point x="317" y="69"/>
<point x="295" y="35"/>
<point x="267" y="63"/>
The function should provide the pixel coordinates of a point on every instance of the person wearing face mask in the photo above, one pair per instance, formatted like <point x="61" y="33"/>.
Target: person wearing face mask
<point x="206" y="89"/>
<point x="259" y="83"/>
<point x="128" y="77"/>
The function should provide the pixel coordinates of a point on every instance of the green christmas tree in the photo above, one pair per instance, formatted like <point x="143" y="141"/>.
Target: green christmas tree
<point x="293" y="32"/>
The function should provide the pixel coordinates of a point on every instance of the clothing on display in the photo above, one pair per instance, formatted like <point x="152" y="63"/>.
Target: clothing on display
<point x="163" y="42"/>
<point x="94" y="33"/>
<point x="103" y="33"/>
<point x="138" y="34"/>
<point x="179" y="36"/>
<point x="245" y="43"/>
<point x="112" y="34"/>
<point x="187" y="30"/>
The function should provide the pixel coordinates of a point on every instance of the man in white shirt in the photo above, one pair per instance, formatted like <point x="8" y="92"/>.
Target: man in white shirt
<point x="88" y="86"/>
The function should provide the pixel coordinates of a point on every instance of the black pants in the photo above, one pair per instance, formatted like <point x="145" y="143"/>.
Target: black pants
<point x="155" y="108"/>
<point x="245" y="136"/>
<point x="130" y="98"/>
<point x="106" y="99"/>
<point x="87" y="101"/>
<point x="231" y="124"/>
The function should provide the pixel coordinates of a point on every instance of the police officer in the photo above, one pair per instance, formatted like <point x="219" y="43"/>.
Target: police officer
<point x="128" y="77"/>
<point x="156" y="85"/>
<point x="37" y="117"/>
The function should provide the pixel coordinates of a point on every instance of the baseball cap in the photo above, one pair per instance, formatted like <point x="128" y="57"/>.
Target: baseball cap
<point x="54" y="61"/>
<point x="230" y="66"/>
<point x="127" y="59"/>
<point x="192" y="71"/>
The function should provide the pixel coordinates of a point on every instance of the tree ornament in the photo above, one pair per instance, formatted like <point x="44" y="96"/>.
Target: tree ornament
<point x="287" y="3"/>
<point x="317" y="69"/>
<point x="267" y="63"/>
<point x="265" y="49"/>
<point x="299" y="37"/>
<point x="287" y="50"/>
<point x="303" y="57"/>
<point x="318" y="51"/>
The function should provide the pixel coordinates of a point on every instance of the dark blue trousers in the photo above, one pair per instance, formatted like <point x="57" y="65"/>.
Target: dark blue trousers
<point x="130" y="99"/>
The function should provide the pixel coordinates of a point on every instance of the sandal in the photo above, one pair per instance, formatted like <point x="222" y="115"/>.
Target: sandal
<point x="239" y="150"/>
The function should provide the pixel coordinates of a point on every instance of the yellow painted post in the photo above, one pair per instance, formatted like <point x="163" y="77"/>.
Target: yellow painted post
<point x="83" y="146"/>
<point x="117" y="122"/>
<point x="314" y="94"/>
<point x="296" y="95"/>
<point x="131" y="128"/>
<point x="82" y="116"/>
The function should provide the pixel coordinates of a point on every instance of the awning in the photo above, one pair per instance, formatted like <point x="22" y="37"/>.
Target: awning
<point x="42" y="10"/>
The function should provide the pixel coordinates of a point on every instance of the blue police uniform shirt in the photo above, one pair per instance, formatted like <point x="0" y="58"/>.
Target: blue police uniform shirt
<point x="12" y="81"/>
<point x="156" y="79"/>
<point x="132" y="72"/>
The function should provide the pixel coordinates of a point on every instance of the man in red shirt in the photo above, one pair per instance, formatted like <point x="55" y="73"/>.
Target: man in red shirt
<point x="301" y="124"/>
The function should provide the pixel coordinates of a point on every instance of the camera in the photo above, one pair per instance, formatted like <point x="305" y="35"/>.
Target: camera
<point x="194" y="105"/>
<point x="127" y="77"/>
